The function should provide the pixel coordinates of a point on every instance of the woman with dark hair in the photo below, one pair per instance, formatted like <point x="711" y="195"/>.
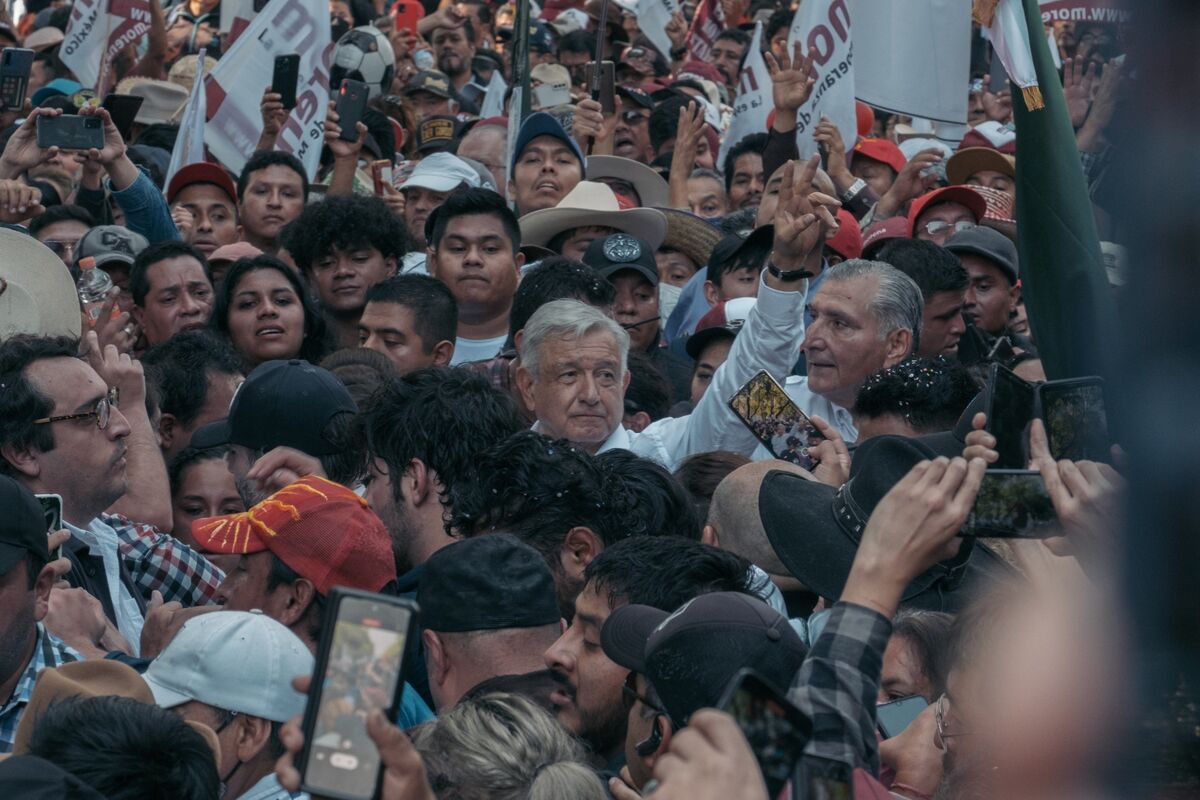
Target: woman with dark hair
<point x="917" y="656"/>
<point x="263" y="307"/>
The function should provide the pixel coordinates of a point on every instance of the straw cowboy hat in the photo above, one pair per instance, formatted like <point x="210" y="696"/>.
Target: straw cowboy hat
<point x="37" y="294"/>
<point x="592" y="204"/>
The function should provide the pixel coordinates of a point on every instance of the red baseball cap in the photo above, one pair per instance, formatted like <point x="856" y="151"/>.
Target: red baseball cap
<point x="963" y="195"/>
<point x="201" y="172"/>
<point x="883" y="151"/>
<point x="848" y="243"/>
<point x="864" y="117"/>
<point x="322" y="530"/>
<point x="881" y="232"/>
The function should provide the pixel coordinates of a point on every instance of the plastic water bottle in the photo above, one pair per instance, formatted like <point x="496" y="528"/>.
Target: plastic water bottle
<point x="94" y="284"/>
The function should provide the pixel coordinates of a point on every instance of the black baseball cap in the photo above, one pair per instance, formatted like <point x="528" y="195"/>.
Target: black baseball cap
<point x="281" y="404"/>
<point x="492" y="582"/>
<point x="22" y="525"/>
<point x="987" y="243"/>
<point x="690" y="656"/>
<point x="731" y="246"/>
<point x="109" y="243"/>
<point x="615" y="252"/>
<point x="637" y="96"/>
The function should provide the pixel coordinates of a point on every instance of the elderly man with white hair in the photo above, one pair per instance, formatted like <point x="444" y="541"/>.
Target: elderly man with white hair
<point x="573" y="358"/>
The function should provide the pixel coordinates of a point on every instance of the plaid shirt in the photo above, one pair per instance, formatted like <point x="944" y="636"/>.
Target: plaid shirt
<point x="837" y="685"/>
<point x="156" y="560"/>
<point x="47" y="652"/>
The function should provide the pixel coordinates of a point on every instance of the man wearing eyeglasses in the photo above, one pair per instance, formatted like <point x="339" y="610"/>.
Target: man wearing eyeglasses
<point x="937" y="216"/>
<point x="60" y="228"/>
<point x="631" y="138"/>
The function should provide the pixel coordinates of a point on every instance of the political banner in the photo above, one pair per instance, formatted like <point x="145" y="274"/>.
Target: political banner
<point x="707" y="24"/>
<point x="653" y="17"/>
<point x="235" y="88"/>
<point x="823" y="29"/>
<point x="753" y="102"/>
<point x="892" y="75"/>
<point x="189" y="144"/>
<point x="1083" y="11"/>
<point x="96" y="31"/>
<point x="236" y="16"/>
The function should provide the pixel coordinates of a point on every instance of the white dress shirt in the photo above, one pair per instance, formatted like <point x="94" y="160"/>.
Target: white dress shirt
<point x="102" y="540"/>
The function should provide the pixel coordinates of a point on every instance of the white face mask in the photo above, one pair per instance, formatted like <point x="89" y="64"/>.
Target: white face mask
<point x="668" y="296"/>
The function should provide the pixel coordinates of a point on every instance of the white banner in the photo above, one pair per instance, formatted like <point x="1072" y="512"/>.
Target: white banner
<point x="235" y="88"/>
<point x="96" y="31"/>
<point x="893" y="75"/>
<point x="823" y="28"/>
<point x="652" y="18"/>
<point x="189" y="144"/>
<point x="753" y="103"/>
<point x="236" y="16"/>
<point x="493" y="99"/>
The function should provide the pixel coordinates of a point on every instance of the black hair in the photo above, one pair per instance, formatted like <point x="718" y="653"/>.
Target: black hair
<point x="181" y="368"/>
<point x="648" y="390"/>
<point x="443" y="417"/>
<point x="664" y="120"/>
<point x="361" y="370"/>
<point x="161" y="135"/>
<point x="261" y="159"/>
<point x="577" y="42"/>
<point x="751" y="257"/>
<point x="126" y="749"/>
<point x="537" y="489"/>
<point x="932" y="267"/>
<point x="647" y="497"/>
<point x="930" y="393"/>
<point x="347" y="464"/>
<point x="20" y="401"/>
<point x="313" y="347"/>
<point x="777" y="21"/>
<point x="928" y="634"/>
<point x="700" y="474"/>
<point x="557" y="278"/>
<point x="345" y="222"/>
<point x="139" y="284"/>
<point x="50" y="58"/>
<point x="734" y="35"/>
<point x="468" y="201"/>
<point x="666" y="571"/>
<point x="752" y="143"/>
<point x="62" y="213"/>
<point x="434" y="310"/>
<point x="189" y="457"/>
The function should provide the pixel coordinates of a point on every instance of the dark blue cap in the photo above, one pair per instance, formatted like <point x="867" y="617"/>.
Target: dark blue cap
<point x="538" y="124"/>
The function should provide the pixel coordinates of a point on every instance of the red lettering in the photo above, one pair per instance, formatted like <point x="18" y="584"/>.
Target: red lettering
<point x="840" y="23"/>
<point x="820" y="42"/>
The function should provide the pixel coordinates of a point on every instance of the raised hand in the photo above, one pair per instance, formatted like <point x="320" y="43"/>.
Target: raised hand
<point x="274" y="115"/>
<point x="828" y="134"/>
<point x="832" y="455"/>
<point x="1078" y="85"/>
<point x="802" y="216"/>
<point x="342" y="150"/>
<point x="793" y="79"/>
<point x="22" y="151"/>
<point x="911" y="183"/>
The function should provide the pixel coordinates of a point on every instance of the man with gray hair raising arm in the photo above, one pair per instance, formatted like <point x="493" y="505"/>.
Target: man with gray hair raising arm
<point x="573" y="358"/>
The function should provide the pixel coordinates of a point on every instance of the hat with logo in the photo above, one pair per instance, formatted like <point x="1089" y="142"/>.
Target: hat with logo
<point x="435" y="134"/>
<point x="592" y="204"/>
<point x="429" y="80"/>
<point x="723" y="321"/>
<point x="992" y="134"/>
<point x="37" y="293"/>
<point x="493" y="582"/>
<point x="690" y="656"/>
<point x="538" y="124"/>
<point x="986" y="243"/>
<point x="235" y="661"/>
<point x="881" y="232"/>
<point x="281" y="404"/>
<point x="109" y="243"/>
<point x="611" y="254"/>
<point x="326" y="533"/>
<point x="441" y="172"/>
<point x="201" y="172"/>
<point x="881" y="150"/>
<point x="23" y="526"/>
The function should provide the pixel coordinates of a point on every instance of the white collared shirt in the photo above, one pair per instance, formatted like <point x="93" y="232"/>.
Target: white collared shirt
<point x="814" y="405"/>
<point x="102" y="540"/>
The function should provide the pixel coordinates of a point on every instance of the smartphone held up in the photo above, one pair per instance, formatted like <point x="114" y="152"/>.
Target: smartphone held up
<point x="765" y="408"/>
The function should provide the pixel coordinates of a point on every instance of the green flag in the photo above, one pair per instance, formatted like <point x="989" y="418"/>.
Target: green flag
<point x="1063" y="280"/>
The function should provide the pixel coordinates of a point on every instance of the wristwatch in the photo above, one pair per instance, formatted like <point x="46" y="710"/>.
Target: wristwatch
<point x="790" y="276"/>
<point x="678" y="53"/>
<point x="854" y="190"/>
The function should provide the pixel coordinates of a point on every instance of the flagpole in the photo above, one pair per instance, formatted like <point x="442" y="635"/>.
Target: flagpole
<point x="520" y="59"/>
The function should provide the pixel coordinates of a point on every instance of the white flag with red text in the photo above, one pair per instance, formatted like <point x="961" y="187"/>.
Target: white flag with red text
<point x="823" y="29"/>
<point x="707" y="24"/>
<point x="96" y="31"/>
<point x="753" y="103"/>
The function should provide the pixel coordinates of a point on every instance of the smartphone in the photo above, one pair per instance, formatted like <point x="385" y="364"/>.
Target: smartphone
<point x="70" y="132"/>
<point x="1012" y="504"/>
<point x="15" y="64"/>
<point x="381" y="173"/>
<point x="1076" y="419"/>
<point x="407" y="15"/>
<point x="776" y="730"/>
<point x="1010" y="410"/>
<point x="123" y="109"/>
<point x="351" y="103"/>
<point x="286" y="78"/>
<point x="893" y="717"/>
<point x="358" y="669"/>
<point x="52" y="509"/>
<point x="608" y="85"/>
<point x="764" y="407"/>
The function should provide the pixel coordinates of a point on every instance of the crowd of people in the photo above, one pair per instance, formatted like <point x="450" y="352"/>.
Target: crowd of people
<point x="497" y="379"/>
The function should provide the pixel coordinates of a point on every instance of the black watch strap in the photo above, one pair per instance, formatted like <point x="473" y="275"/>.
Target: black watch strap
<point x="790" y="276"/>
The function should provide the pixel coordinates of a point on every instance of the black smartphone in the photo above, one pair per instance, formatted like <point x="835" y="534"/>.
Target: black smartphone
<point x="608" y="85"/>
<point x="765" y="408"/>
<point x="70" y="132"/>
<point x="286" y="78"/>
<point x="1012" y="504"/>
<point x="1076" y="419"/>
<point x="52" y="509"/>
<point x="15" y="64"/>
<point x="1010" y="410"/>
<point x="358" y="669"/>
<point x="123" y="109"/>
<point x="893" y="717"/>
<point x="776" y="730"/>
<point x="351" y="103"/>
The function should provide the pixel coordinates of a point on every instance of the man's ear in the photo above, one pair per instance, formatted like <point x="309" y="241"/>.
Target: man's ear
<point x="419" y="482"/>
<point x="41" y="592"/>
<point x="22" y="459"/>
<point x="390" y="263"/>
<point x="520" y="260"/>
<point x="525" y="385"/>
<point x="443" y="351"/>
<point x="709" y="536"/>
<point x="581" y="546"/>
<point x="300" y="596"/>
<point x="435" y="657"/>
<point x="899" y="344"/>
<point x="138" y="313"/>
<point x="166" y="429"/>
<point x="710" y="293"/>
<point x="665" y="730"/>
<point x="637" y="422"/>
<point x="518" y="340"/>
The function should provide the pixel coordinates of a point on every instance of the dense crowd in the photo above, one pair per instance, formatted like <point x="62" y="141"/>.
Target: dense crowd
<point x="505" y="374"/>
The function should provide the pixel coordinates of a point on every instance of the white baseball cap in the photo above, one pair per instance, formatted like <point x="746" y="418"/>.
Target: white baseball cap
<point x="442" y="172"/>
<point x="235" y="661"/>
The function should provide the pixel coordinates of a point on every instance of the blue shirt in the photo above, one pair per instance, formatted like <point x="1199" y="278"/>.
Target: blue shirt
<point x="146" y="210"/>
<point x="48" y="651"/>
<point x="413" y="710"/>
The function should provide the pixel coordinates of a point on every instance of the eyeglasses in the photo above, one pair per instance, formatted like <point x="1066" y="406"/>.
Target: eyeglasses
<point x="936" y="226"/>
<point x="101" y="412"/>
<point x="629" y="694"/>
<point x="634" y="117"/>
<point x="939" y="716"/>
<point x="58" y="247"/>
